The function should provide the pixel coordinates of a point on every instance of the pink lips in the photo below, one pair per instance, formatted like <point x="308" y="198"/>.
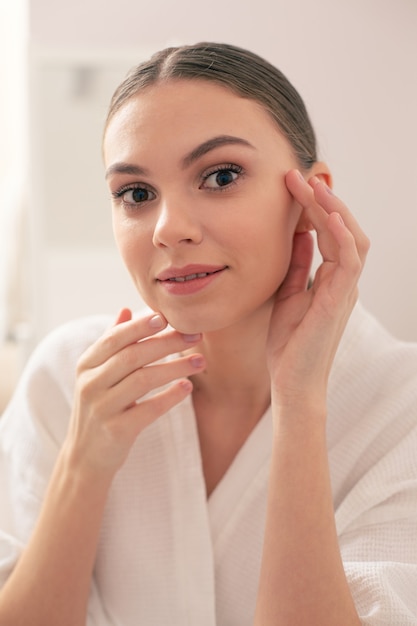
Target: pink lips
<point x="189" y="279"/>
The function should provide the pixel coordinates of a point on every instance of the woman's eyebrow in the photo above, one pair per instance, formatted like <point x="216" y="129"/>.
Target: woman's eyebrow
<point x="196" y="153"/>
<point x="211" y="144"/>
<point x="125" y="168"/>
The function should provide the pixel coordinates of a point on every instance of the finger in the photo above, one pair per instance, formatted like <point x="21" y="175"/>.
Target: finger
<point x="317" y="216"/>
<point x="147" y="380"/>
<point x="298" y="273"/>
<point x="125" y="315"/>
<point x="143" y="354"/>
<point x="350" y="263"/>
<point x="336" y="282"/>
<point x="318" y="201"/>
<point x="343" y="245"/>
<point x="142" y="415"/>
<point x="325" y="197"/>
<point x="303" y="193"/>
<point x="122" y="334"/>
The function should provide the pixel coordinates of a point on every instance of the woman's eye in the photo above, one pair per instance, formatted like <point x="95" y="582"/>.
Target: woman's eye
<point x="134" y="195"/>
<point x="222" y="177"/>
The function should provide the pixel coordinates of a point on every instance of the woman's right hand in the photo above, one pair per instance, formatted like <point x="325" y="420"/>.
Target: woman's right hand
<point x="114" y="377"/>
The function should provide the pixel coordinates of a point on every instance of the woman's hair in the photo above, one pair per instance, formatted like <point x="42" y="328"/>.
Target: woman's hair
<point x="241" y="71"/>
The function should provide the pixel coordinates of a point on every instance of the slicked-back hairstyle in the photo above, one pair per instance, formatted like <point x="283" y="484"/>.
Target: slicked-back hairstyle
<point x="243" y="72"/>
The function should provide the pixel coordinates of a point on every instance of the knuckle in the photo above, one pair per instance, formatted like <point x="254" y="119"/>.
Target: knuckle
<point x="109" y="341"/>
<point x="130" y="357"/>
<point x="165" y="400"/>
<point x="356" y="266"/>
<point x="151" y="377"/>
<point x="366" y="244"/>
<point x="363" y="244"/>
<point x="87" y="386"/>
<point x="80" y="367"/>
<point x="83" y="362"/>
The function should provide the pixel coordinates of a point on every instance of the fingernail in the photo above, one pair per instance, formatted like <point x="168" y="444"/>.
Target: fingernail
<point x="192" y="338"/>
<point x="197" y="361"/>
<point x="187" y="385"/>
<point x="156" y="321"/>
<point x="329" y="190"/>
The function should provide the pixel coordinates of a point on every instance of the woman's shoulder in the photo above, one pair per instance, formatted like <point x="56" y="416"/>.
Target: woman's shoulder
<point x="67" y="342"/>
<point x="36" y="419"/>
<point x="47" y="380"/>
<point x="372" y="399"/>
<point x="373" y="387"/>
<point x="369" y="350"/>
<point x="372" y="427"/>
<point x="55" y="356"/>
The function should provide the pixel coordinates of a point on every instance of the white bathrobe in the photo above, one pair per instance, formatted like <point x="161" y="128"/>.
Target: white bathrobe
<point x="169" y="557"/>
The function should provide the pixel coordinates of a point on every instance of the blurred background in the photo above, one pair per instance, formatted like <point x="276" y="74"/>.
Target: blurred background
<point x="354" y="62"/>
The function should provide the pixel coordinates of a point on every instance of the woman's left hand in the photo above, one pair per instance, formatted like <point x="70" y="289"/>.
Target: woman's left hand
<point x="301" y="556"/>
<point x="307" y="324"/>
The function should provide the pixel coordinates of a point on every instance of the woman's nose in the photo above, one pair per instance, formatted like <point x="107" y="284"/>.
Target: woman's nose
<point x="177" y="223"/>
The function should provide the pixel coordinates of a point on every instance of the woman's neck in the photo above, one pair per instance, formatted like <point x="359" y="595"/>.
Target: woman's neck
<point x="236" y="372"/>
<point x="231" y="395"/>
<point x="236" y="359"/>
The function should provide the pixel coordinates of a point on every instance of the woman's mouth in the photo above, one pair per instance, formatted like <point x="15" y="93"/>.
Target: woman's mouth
<point x="190" y="279"/>
<point x="181" y="279"/>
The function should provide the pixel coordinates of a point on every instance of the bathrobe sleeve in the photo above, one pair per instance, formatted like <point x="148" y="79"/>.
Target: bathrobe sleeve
<point x="373" y="458"/>
<point x="32" y="430"/>
<point x="379" y="540"/>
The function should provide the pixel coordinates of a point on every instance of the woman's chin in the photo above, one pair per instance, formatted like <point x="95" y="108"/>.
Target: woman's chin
<point x="187" y="328"/>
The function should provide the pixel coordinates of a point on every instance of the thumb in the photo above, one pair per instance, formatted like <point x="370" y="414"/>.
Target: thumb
<point x="298" y="273"/>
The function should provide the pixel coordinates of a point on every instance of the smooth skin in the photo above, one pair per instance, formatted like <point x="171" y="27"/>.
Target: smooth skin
<point x="254" y="336"/>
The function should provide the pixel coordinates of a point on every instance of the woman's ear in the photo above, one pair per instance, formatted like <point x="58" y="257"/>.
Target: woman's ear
<point x="322" y="172"/>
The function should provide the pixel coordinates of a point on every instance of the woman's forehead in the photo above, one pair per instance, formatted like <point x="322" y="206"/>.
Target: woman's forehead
<point x="193" y="107"/>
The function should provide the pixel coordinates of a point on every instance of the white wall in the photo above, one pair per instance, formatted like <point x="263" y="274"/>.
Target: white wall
<point x="354" y="62"/>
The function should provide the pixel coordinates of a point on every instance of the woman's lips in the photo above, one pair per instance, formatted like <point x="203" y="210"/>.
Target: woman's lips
<point x="189" y="279"/>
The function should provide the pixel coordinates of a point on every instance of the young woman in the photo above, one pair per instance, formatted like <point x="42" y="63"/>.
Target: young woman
<point x="244" y="454"/>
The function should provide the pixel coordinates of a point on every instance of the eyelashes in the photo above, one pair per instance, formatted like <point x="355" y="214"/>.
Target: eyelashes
<point x="136" y="193"/>
<point x="219" y="178"/>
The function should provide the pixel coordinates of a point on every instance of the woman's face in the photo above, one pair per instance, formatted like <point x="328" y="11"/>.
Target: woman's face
<point x="201" y="213"/>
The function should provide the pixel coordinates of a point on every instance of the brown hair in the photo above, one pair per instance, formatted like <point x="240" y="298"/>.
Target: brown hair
<point x="241" y="71"/>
